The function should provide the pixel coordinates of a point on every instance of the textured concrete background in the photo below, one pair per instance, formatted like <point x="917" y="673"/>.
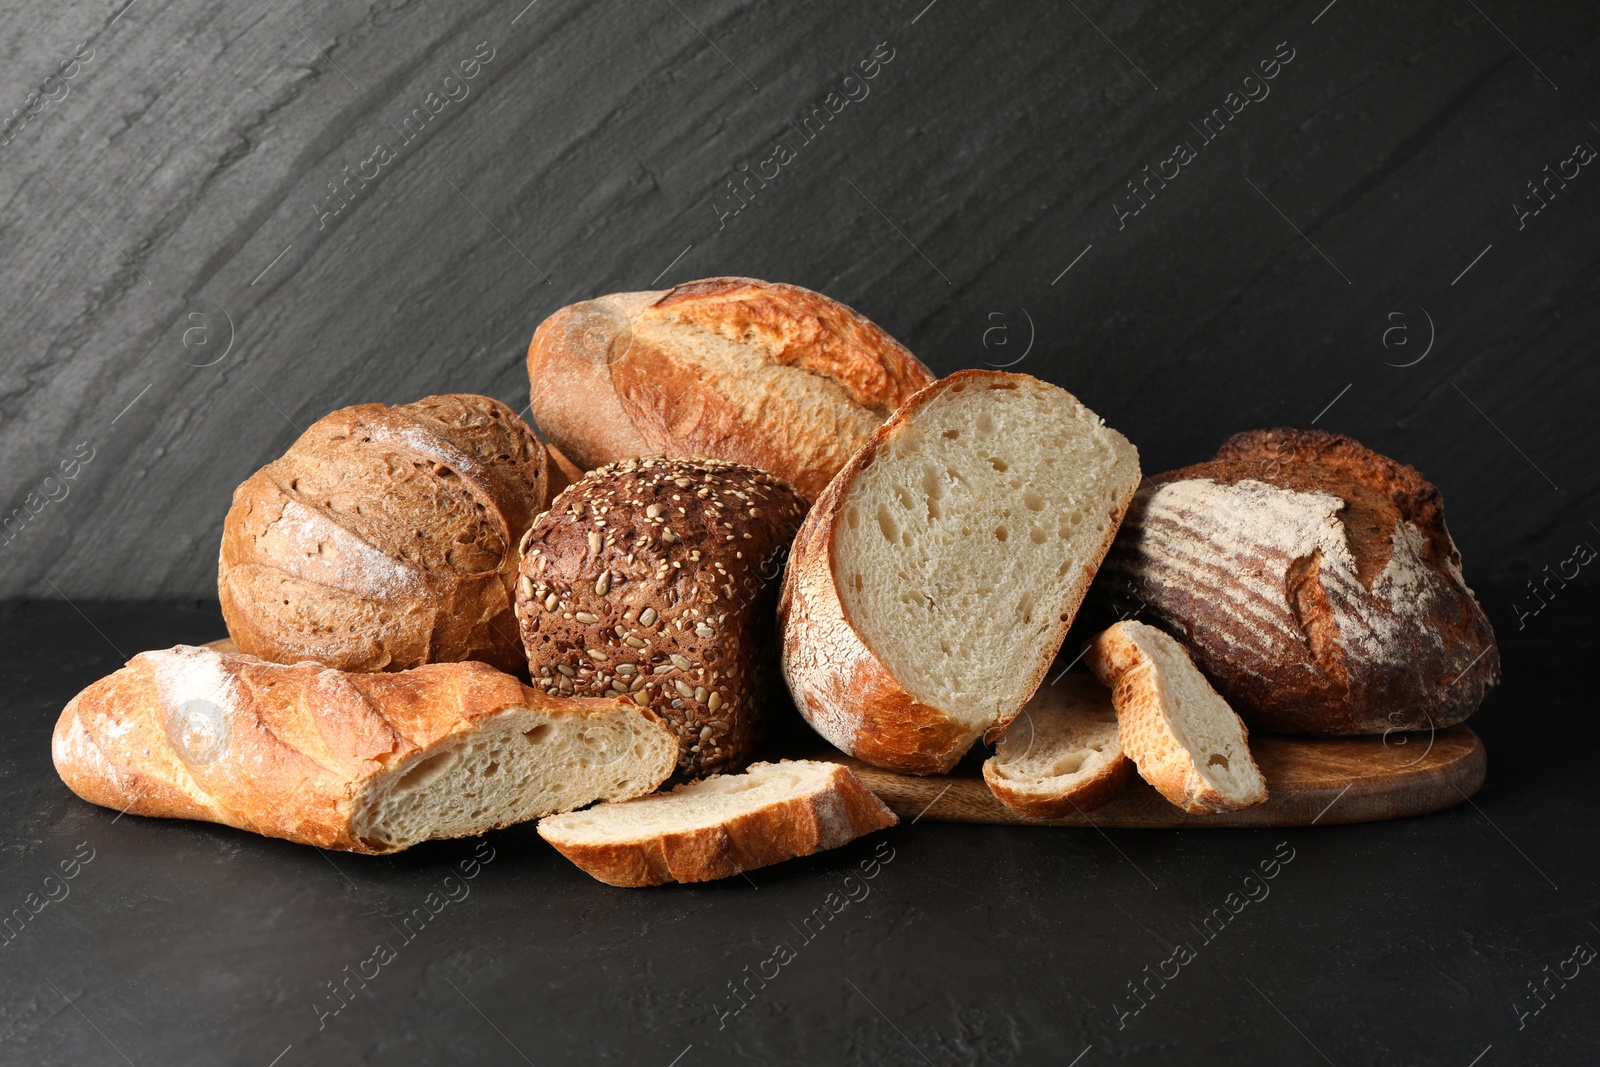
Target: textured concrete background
<point x="180" y="296"/>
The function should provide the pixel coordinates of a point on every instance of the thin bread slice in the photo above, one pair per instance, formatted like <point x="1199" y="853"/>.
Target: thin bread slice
<point x="720" y="826"/>
<point x="1183" y="737"/>
<point x="934" y="581"/>
<point x="1062" y="754"/>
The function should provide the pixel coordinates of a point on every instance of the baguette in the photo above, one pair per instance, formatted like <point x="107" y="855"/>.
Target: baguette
<point x="933" y="582"/>
<point x="1062" y="754"/>
<point x="720" y="826"/>
<point x="773" y="376"/>
<point x="1182" y="736"/>
<point x="370" y="763"/>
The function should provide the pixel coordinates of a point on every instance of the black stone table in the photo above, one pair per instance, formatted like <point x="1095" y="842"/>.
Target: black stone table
<point x="1420" y="941"/>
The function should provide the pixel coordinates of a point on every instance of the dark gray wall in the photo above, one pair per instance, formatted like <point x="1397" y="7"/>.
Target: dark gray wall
<point x="168" y="209"/>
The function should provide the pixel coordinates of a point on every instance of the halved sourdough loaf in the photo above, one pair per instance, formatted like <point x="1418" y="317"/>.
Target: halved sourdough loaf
<point x="368" y="763"/>
<point x="1182" y="736"/>
<point x="720" y="826"/>
<point x="934" y="580"/>
<point x="1062" y="754"/>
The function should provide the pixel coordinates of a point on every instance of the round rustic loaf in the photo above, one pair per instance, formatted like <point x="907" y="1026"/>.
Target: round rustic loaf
<point x="385" y="538"/>
<point x="772" y="375"/>
<point x="1314" y="582"/>
<point x="658" y="578"/>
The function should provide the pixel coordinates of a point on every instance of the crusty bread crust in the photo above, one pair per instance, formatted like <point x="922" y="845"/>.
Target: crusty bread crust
<point x="385" y="538"/>
<point x="657" y="578"/>
<point x="1143" y="726"/>
<point x="839" y="684"/>
<point x="1380" y="634"/>
<point x="797" y="826"/>
<point x="1090" y="792"/>
<point x="610" y="378"/>
<point x="289" y="748"/>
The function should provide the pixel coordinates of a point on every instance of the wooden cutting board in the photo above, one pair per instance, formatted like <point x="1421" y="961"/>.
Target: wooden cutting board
<point x="1309" y="780"/>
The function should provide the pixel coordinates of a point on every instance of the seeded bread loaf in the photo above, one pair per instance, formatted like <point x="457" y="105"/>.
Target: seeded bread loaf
<point x="385" y="538"/>
<point x="775" y="376"/>
<point x="1062" y="754"/>
<point x="1182" y="736"/>
<point x="368" y="763"/>
<point x="934" y="580"/>
<point x="657" y="578"/>
<point x="1315" y="584"/>
<point x="720" y="826"/>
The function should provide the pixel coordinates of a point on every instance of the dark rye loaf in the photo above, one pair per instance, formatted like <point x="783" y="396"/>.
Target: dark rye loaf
<point x="1314" y="582"/>
<point x="385" y="538"/>
<point x="658" y="578"/>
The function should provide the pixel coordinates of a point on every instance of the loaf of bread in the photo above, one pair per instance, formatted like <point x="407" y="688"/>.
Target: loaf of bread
<point x="774" y="376"/>
<point x="720" y="826"/>
<point x="934" y="580"/>
<point x="385" y="538"/>
<point x="368" y="763"/>
<point x="1180" y="734"/>
<point x="1062" y="754"/>
<point x="1315" y="584"/>
<point x="657" y="579"/>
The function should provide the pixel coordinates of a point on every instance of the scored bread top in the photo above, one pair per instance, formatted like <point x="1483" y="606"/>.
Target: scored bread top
<point x="775" y="376"/>
<point x="1315" y="583"/>
<point x="384" y="537"/>
<point x="657" y="578"/>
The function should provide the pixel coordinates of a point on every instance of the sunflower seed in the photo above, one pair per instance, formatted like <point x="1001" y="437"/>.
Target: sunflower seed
<point x="566" y="670"/>
<point x="705" y="631"/>
<point x="700" y="693"/>
<point x="633" y="642"/>
<point x="647" y="617"/>
<point x="638" y="684"/>
<point x="653" y="511"/>
<point x="641" y="698"/>
<point x="705" y="734"/>
<point x="586" y="617"/>
<point x="596" y="654"/>
<point x="594" y="542"/>
<point x="715" y="701"/>
<point x="627" y="670"/>
<point x="663" y="669"/>
<point x="525" y="587"/>
<point x="668" y="536"/>
<point x="602" y="584"/>
<point x="681" y="662"/>
<point x="684" y="689"/>
<point x="551" y="602"/>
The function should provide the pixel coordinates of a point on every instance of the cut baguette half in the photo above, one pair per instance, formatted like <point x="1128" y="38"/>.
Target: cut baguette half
<point x="720" y="826"/>
<point x="1182" y="736"/>
<point x="1062" y="754"/>
<point x="369" y="763"/>
<point x="935" y="578"/>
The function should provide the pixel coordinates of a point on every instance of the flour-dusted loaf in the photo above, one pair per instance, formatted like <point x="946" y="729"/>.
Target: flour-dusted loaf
<point x="774" y="376"/>
<point x="1315" y="584"/>
<point x="934" y="580"/>
<point x="1182" y="736"/>
<point x="385" y="538"/>
<point x="1062" y="753"/>
<point x="720" y="826"/>
<point x="657" y="579"/>
<point x="368" y="763"/>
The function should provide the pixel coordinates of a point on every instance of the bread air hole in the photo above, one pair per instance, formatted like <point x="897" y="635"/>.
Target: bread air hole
<point x="1032" y="501"/>
<point x="1036" y="535"/>
<point x="998" y="464"/>
<point x="1001" y="533"/>
<point x="426" y="771"/>
<point x="538" y="733"/>
<point x="1070" y="763"/>
<point x="1218" y="760"/>
<point x="951" y="435"/>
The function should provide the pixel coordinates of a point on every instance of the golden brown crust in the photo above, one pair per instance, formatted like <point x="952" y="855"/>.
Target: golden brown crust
<point x="280" y="750"/>
<point x="385" y="538"/>
<point x="622" y="376"/>
<point x="839" y="684"/>
<point x="1088" y="794"/>
<point x="1145" y="730"/>
<point x="783" y="830"/>
<point x="1342" y="638"/>
<point x="657" y="578"/>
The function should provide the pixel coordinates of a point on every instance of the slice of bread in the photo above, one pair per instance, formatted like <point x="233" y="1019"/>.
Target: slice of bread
<point x="934" y="580"/>
<point x="1183" y="737"/>
<point x="720" y="826"/>
<point x="1062" y="754"/>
